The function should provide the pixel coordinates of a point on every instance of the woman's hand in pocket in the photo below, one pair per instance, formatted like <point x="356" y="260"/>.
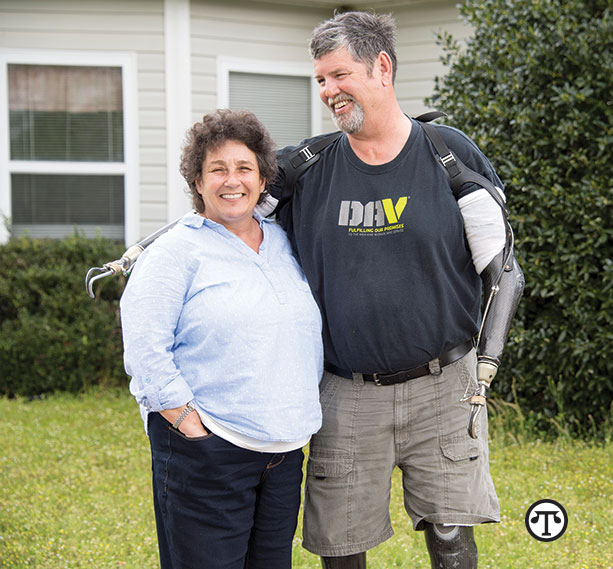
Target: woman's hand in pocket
<point x="191" y="425"/>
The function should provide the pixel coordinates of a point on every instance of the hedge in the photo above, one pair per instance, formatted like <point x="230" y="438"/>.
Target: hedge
<point x="53" y="336"/>
<point x="533" y="86"/>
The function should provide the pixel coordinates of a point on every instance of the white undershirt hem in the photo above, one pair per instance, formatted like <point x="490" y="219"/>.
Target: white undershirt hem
<point x="249" y="443"/>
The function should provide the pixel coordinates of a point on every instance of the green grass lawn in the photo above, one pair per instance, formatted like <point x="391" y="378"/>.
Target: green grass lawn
<point x="75" y="492"/>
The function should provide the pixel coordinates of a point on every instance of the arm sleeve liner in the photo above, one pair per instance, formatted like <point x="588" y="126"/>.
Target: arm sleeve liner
<point x="484" y="226"/>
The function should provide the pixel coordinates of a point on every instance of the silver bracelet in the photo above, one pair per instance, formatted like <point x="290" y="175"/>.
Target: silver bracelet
<point x="190" y="407"/>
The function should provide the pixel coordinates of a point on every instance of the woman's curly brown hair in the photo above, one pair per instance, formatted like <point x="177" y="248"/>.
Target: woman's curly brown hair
<point x="215" y="129"/>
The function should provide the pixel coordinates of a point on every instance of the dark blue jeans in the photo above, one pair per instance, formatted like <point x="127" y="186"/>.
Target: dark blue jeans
<point x="219" y="506"/>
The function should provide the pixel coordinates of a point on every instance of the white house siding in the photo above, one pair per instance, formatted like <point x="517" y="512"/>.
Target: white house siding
<point x="417" y="52"/>
<point x="277" y="32"/>
<point x="127" y="26"/>
<point x="245" y="30"/>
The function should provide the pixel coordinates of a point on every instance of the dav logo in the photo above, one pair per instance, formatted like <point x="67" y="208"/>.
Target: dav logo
<point x="376" y="217"/>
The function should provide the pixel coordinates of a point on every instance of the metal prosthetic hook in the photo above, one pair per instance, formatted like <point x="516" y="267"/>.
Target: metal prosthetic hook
<point x="126" y="262"/>
<point x="486" y="371"/>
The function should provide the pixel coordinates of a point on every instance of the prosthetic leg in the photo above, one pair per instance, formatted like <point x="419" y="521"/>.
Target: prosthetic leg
<point x="451" y="547"/>
<point x="357" y="561"/>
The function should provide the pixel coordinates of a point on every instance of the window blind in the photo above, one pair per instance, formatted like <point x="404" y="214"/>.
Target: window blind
<point x="61" y="202"/>
<point x="65" y="113"/>
<point x="281" y="102"/>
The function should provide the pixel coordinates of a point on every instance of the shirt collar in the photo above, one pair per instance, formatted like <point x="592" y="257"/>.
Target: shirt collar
<point x="195" y="220"/>
<point x="192" y="219"/>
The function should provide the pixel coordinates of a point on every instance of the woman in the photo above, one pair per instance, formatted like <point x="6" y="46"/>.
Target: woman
<point x="222" y="339"/>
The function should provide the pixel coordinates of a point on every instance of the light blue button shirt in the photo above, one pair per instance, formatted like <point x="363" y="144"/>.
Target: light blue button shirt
<point x="205" y="317"/>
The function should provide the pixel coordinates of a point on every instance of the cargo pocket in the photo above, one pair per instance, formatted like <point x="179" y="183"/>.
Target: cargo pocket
<point x="322" y="467"/>
<point x="460" y="448"/>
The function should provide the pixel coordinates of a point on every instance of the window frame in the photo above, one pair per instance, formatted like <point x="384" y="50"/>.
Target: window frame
<point x="129" y="168"/>
<point x="226" y="65"/>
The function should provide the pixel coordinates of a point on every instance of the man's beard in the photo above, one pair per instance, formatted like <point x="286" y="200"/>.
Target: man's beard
<point x="351" y="122"/>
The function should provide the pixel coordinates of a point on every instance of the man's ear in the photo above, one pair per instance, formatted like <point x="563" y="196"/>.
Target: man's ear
<point x="385" y="67"/>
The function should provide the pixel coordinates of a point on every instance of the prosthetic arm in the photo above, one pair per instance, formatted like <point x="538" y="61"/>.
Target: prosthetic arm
<point x="125" y="262"/>
<point x="503" y="283"/>
<point x="490" y="239"/>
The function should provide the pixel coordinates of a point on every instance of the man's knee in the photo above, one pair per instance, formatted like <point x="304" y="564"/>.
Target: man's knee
<point x="451" y="546"/>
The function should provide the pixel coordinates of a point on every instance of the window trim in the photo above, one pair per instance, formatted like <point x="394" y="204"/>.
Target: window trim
<point x="225" y="65"/>
<point x="129" y="168"/>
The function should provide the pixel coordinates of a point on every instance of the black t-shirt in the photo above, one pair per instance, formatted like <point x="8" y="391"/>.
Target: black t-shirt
<point x="384" y="251"/>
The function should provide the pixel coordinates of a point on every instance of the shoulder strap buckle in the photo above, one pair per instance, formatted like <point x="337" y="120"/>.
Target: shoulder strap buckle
<point x="302" y="157"/>
<point x="451" y="164"/>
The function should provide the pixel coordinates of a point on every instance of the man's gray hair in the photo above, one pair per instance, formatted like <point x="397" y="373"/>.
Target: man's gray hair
<point x="363" y="34"/>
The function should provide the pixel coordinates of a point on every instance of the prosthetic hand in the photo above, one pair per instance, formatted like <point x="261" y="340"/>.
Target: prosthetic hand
<point x="126" y="262"/>
<point x="503" y="282"/>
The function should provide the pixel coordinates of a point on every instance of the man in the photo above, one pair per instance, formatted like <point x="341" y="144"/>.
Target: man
<point x="396" y="265"/>
<point x="395" y="261"/>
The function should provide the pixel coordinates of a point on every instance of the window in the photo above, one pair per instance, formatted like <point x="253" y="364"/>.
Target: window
<point x="282" y="96"/>
<point x="67" y="163"/>
<point x="282" y="103"/>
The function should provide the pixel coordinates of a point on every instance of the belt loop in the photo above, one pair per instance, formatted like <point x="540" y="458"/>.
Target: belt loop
<point x="435" y="367"/>
<point x="358" y="378"/>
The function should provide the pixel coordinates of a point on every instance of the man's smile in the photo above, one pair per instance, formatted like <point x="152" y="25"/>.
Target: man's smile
<point x="339" y="104"/>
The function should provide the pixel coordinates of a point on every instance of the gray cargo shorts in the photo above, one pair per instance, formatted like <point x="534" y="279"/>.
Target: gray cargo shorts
<point x="418" y="426"/>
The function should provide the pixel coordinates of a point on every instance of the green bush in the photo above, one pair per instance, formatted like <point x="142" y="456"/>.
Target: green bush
<point x="534" y="88"/>
<point x="53" y="335"/>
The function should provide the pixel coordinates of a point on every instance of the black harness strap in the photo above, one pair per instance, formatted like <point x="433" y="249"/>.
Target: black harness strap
<point x="459" y="174"/>
<point x="430" y="116"/>
<point x="301" y="159"/>
<point x="310" y="152"/>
